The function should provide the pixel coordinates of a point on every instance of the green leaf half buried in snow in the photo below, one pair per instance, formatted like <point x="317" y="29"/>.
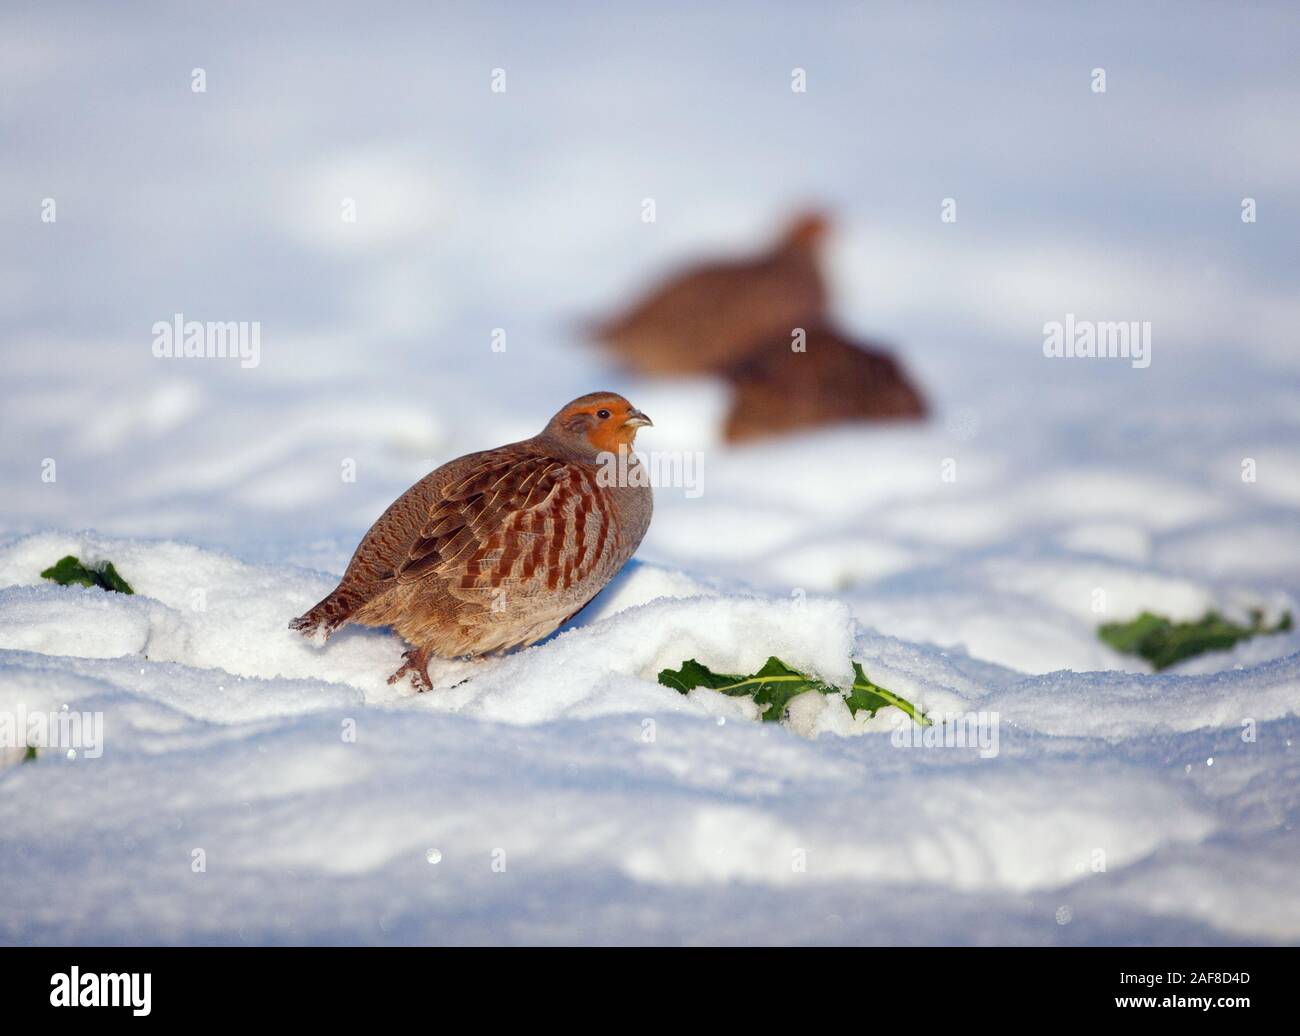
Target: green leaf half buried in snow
<point x="776" y="683"/>
<point x="1163" y="642"/>
<point x="70" y="570"/>
<point x="871" y="696"/>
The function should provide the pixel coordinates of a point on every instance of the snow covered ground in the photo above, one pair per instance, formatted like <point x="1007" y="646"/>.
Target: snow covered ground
<point x="254" y="788"/>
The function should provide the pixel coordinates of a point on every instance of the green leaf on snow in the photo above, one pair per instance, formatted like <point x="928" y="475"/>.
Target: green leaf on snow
<point x="70" y="570"/>
<point x="871" y="696"/>
<point x="776" y="684"/>
<point x="1163" y="642"/>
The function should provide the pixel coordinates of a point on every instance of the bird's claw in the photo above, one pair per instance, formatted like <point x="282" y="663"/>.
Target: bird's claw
<point x="415" y="663"/>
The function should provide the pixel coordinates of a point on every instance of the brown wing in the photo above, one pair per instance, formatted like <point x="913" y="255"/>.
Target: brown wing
<point x="532" y="524"/>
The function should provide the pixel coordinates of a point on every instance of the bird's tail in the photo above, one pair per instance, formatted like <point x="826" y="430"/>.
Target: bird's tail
<point x="320" y="622"/>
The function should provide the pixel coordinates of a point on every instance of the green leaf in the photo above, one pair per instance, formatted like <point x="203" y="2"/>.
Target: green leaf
<point x="1163" y="642"/>
<point x="70" y="570"/>
<point x="30" y="755"/>
<point x="694" y="675"/>
<point x="110" y="580"/>
<point x="871" y="696"/>
<point x="776" y="684"/>
<point x="772" y="686"/>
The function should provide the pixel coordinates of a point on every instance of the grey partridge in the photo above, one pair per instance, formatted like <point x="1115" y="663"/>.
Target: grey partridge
<point x="497" y="549"/>
<point x="709" y="316"/>
<point x="777" y="390"/>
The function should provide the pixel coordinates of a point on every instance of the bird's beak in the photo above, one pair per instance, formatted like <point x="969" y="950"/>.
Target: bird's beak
<point x="636" y="419"/>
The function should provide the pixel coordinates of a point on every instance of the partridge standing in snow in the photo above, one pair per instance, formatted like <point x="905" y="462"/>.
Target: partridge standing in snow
<point x="708" y="317"/>
<point x="497" y="549"/>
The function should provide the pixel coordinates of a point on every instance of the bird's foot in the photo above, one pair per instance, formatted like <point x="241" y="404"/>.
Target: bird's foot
<point x="313" y="629"/>
<point x="416" y="663"/>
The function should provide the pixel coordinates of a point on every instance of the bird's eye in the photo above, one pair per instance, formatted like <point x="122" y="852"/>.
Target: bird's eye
<point x="602" y="414"/>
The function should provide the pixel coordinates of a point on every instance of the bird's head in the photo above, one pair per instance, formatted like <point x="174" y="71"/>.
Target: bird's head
<point x="807" y="230"/>
<point x="600" y="421"/>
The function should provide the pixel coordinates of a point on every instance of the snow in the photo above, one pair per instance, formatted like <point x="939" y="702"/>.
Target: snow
<point x="227" y="734"/>
<point x="255" y="787"/>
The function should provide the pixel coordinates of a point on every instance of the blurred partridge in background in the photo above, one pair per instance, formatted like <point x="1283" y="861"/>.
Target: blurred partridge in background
<point x="777" y="389"/>
<point x="709" y="316"/>
<point x="762" y="324"/>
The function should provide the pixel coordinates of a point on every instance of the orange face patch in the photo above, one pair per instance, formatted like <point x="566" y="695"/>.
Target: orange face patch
<point x="612" y="422"/>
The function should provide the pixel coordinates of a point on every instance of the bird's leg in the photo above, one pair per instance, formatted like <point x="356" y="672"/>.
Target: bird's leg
<point x="415" y="662"/>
